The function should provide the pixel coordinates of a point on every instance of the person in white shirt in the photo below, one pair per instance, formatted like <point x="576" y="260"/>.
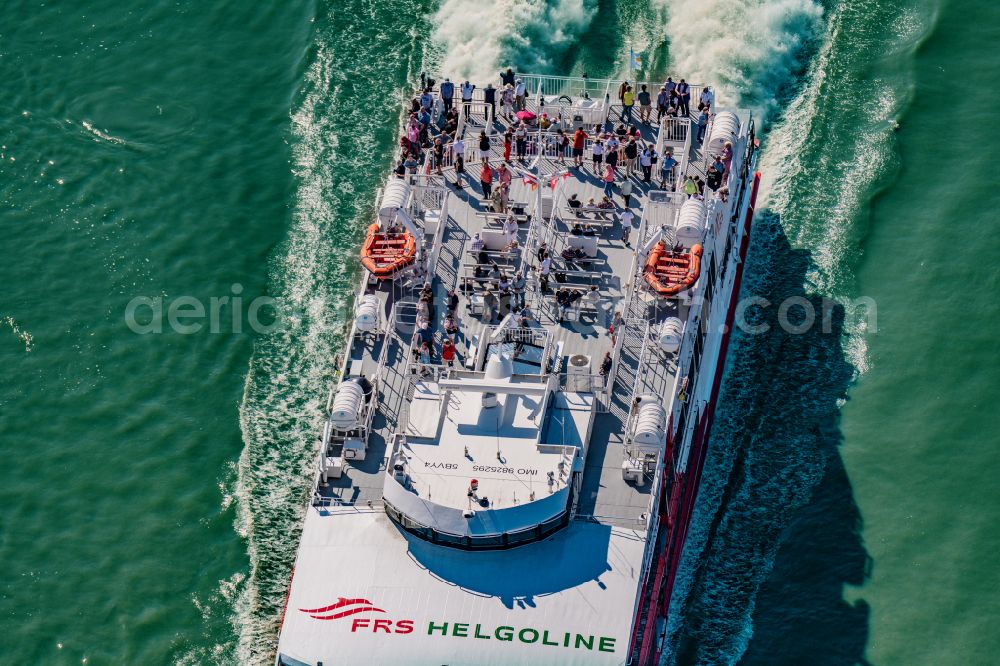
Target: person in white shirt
<point x="706" y="99"/>
<point x="519" y="94"/>
<point x="646" y="162"/>
<point x="521" y="140"/>
<point x="467" y="89"/>
<point x="598" y="153"/>
<point x="510" y="229"/>
<point x="477" y="244"/>
<point x="546" y="265"/>
<point x="627" y="217"/>
<point x="507" y="101"/>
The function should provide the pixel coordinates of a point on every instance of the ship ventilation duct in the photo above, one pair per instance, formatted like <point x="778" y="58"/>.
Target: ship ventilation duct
<point x="366" y="313"/>
<point x="725" y="127"/>
<point x="499" y="368"/>
<point x="650" y="427"/>
<point x="394" y="197"/>
<point x="347" y="406"/>
<point x="670" y="334"/>
<point x="691" y="222"/>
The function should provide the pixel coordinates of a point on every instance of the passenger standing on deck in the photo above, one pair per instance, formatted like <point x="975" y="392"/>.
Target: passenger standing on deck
<point x="489" y="306"/>
<point x="467" y="89"/>
<point x="631" y="153"/>
<point x="448" y="352"/>
<point x="438" y="153"/>
<point x="459" y="170"/>
<point x="646" y="158"/>
<point x="727" y="158"/>
<point x="502" y="199"/>
<point x="621" y="92"/>
<point x="719" y="166"/>
<point x="562" y="146"/>
<point x="490" y="97"/>
<point x="426" y="99"/>
<point x="504" y="303"/>
<point x="484" y="146"/>
<point x="667" y="170"/>
<point x="521" y="140"/>
<point x="543" y="251"/>
<point x="627" y="217"/>
<point x="597" y="151"/>
<point x="520" y="93"/>
<point x="507" y="101"/>
<point x="425" y="359"/>
<point x="508" y="143"/>
<point x="507" y="78"/>
<point x="609" y="179"/>
<point x="447" y="93"/>
<point x="611" y="152"/>
<point x="616" y="324"/>
<point x="690" y="187"/>
<point x="504" y="176"/>
<point x="628" y="101"/>
<point x="510" y="229"/>
<point x="705" y="99"/>
<point x="579" y="141"/>
<point x="661" y="103"/>
<point x="645" y="104"/>
<point x="702" y="125"/>
<point x="518" y="285"/>
<point x="627" y="192"/>
<point x="452" y="301"/>
<point x="684" y="98"/>
<point x="606" y="365"/>
<point x="713" y="178"/>
<point x="486" y="178"/>
<point x="450" y="326"/>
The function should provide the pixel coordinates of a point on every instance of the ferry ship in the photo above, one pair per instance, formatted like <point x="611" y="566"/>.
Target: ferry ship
<point x="507" y="477"/>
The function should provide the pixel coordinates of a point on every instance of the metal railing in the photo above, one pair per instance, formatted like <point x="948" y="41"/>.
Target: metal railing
<point x="320" y="501"/>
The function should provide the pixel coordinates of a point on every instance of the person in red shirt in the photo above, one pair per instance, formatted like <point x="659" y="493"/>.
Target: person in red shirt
<point x="508" y="143"/>
<point x="579" y="141"/>
<point x="486" y="178"/>
<point x="448" y="352"/>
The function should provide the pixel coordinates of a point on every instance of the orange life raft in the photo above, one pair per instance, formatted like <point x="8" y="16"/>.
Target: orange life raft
<point x="669" y="273"/>
<point x="383" y="253"/>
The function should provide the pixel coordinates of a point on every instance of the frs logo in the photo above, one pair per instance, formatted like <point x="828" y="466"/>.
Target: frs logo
<point x="345" y="607"/>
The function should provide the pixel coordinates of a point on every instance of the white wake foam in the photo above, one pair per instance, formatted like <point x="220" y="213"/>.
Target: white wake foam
<point x="748" y="49"/>
<point x="475" y="39"/>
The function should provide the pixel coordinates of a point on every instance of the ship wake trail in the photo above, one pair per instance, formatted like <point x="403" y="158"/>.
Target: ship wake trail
<point x="474" y="39"/>
<point x="825" y="156"/>
<point x="751" y="50"/>
<point x="342" y="134"/>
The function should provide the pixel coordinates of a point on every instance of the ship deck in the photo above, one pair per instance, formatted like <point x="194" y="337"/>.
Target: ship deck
<point x="605" y="497"/>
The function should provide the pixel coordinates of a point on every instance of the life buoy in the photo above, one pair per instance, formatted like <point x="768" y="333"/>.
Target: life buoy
<point x="383" y="253"/>
<point x="669" y="273"/>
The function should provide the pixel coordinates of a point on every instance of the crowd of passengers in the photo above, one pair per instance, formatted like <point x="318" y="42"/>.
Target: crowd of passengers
<point x="615" y="151"/>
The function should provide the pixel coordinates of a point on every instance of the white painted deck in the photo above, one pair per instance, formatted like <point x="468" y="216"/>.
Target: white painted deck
<point x="587" y="588"/>
<point x="496" y="446"/>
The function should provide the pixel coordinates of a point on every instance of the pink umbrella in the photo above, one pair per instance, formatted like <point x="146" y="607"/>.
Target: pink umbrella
<point x="525" y="115"/>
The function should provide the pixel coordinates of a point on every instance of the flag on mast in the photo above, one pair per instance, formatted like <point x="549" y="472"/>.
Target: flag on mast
<point x="634" y="60"/>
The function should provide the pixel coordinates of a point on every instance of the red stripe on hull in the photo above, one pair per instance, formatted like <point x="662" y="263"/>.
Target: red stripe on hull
<point x="682" y="496"/>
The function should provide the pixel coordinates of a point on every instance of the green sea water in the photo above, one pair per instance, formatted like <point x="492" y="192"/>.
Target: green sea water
<point x="152" y="485"/>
